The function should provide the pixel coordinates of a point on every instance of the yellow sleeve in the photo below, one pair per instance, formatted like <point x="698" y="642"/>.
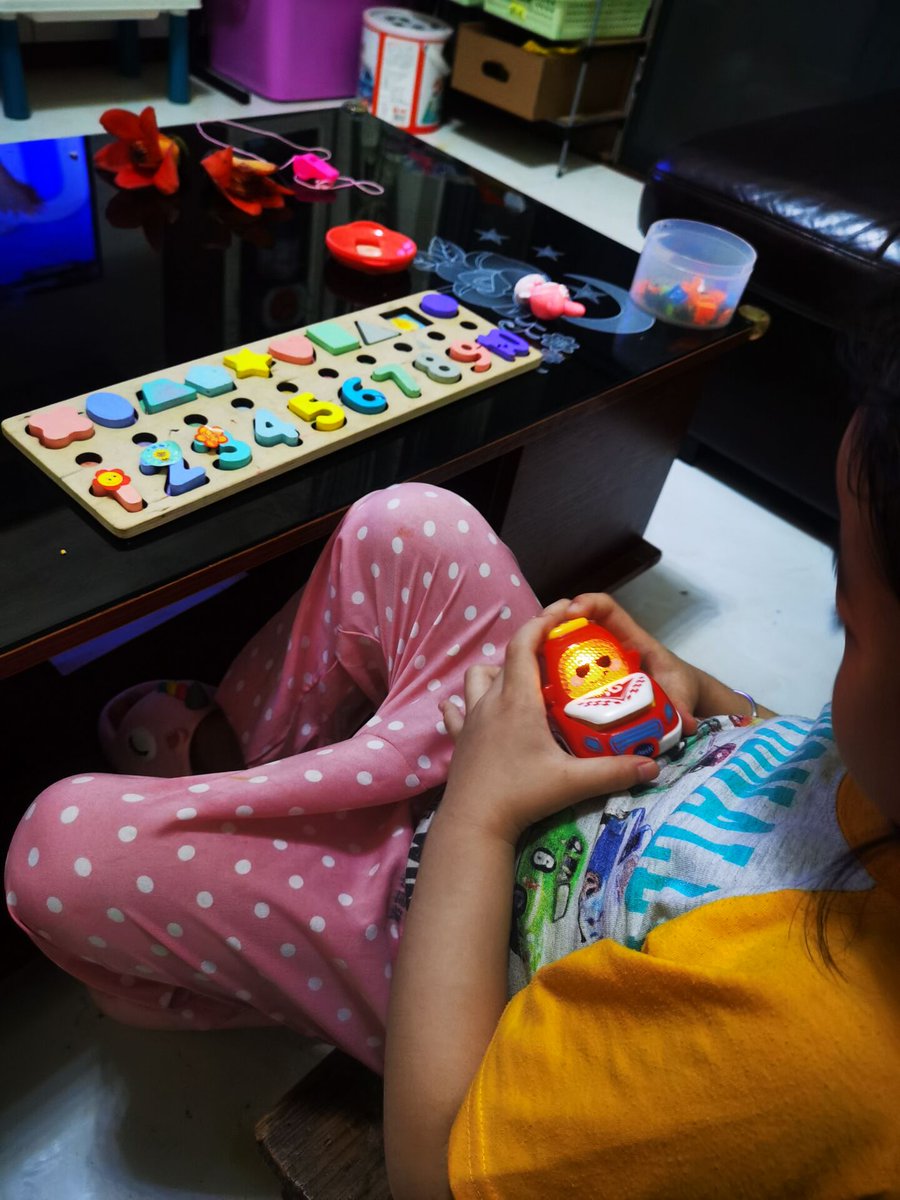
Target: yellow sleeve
<point x="628" y="1073"/>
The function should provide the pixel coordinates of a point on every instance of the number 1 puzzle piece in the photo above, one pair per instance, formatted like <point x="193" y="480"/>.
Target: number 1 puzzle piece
<point x="59" y="427"/>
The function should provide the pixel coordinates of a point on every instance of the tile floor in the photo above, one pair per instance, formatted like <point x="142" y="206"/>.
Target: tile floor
<point x="93" y="1111"/>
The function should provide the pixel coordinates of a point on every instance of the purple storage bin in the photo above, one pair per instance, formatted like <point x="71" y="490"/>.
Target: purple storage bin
<point x="287" y="49"/>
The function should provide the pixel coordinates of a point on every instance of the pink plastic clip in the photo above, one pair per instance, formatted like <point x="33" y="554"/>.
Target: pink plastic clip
<point x="310" y="166"/>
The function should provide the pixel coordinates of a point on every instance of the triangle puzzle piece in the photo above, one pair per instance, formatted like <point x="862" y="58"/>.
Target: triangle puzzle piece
<point x="613" y="702"/>
<point x="372" y="334"/>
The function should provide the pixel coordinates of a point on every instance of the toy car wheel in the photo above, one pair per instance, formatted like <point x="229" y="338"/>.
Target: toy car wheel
<point x="647" y="749"/>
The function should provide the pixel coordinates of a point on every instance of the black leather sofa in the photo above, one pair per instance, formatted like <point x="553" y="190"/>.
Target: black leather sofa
<point x="818" y="195"/>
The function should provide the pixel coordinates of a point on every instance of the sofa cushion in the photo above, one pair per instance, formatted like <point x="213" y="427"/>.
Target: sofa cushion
<point x="817" y="193"/>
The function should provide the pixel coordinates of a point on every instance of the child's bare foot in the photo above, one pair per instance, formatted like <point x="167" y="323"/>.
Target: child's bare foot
<point x="214" y="746"/>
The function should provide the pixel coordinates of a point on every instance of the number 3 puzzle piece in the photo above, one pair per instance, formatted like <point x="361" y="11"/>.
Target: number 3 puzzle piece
<point x="59" y="427"/>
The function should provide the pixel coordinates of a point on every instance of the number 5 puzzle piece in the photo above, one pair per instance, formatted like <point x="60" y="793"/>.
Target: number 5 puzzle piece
<point x="324" y="416"/>
<point x="59" y="427"/>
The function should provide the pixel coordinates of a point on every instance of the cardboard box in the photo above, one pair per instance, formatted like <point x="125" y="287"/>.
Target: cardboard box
<point x="540" y="87"/>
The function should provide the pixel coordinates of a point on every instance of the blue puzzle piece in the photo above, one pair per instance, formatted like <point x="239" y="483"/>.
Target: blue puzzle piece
<point x="158" y="394"/>
<point x="209" y="379"/>
<point x="270" y="430"/>
<point x="110" y="409"/>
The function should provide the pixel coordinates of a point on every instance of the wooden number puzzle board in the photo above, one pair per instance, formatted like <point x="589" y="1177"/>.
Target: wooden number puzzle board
<point x="149" y="450"/>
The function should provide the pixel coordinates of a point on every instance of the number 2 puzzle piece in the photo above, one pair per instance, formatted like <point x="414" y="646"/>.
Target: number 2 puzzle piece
<point x="502" y="342"/>
<point x="159" y="394"/>
<point x="270" y="430"/>
<point x="112" y="481"/>
<point x="60" y="426"/>
<point x="167" y="456"/>
<point x="322" y="414"/>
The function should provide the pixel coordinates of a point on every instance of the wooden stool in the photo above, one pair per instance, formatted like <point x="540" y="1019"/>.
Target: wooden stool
<point x="325" y="1138"/>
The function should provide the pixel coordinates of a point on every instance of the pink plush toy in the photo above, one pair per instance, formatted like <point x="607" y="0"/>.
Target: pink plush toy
<point x="547" y="300"/>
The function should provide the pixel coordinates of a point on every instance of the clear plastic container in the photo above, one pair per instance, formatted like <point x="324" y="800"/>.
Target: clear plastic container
<point x="692" y="274"/>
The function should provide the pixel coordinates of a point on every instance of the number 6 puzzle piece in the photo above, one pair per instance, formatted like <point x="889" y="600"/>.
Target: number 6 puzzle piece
<point x="59" y="427"/>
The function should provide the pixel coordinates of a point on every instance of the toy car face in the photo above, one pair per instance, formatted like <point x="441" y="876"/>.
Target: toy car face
<point x="598" y="700"/>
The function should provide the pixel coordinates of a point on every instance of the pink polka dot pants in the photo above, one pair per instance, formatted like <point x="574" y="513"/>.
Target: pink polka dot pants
<point x="274" y="894"/>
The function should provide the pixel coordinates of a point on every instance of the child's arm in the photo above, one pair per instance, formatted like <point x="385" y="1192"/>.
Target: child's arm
<point x="694" y="692"/>
<point x="450" y="986"/>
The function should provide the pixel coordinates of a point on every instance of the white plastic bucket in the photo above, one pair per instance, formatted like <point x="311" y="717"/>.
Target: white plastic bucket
<point x="402" y="68"/>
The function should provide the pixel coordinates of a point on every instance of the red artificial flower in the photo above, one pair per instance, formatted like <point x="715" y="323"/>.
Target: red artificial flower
<point x="245" y="182"/>
<point x="141" y="156"/>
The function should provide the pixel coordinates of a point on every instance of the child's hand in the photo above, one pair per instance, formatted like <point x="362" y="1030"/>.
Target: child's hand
<point x="507" y="770"/>
<point x="682" y="682"/>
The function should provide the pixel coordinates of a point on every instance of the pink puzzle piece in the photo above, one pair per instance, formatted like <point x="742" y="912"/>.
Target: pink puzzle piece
<point x="293" y="348"/>
<point x="59" y="427"/>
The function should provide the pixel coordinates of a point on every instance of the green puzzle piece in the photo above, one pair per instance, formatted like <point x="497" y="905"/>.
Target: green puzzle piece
<point x="332" y="337"/>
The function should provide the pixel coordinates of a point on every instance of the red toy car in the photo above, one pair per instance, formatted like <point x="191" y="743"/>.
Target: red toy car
<point x="599" y="701"/>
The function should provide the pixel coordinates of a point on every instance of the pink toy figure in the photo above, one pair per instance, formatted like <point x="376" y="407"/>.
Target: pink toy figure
<point x="548" y="300"/>
<point x="312" y="167"/>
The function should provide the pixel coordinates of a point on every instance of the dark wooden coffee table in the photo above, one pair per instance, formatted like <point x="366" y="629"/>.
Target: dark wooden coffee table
<point x="100" y="285"/>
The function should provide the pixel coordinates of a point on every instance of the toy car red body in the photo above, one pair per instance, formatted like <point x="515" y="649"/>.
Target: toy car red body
<point x="598" y="699"/>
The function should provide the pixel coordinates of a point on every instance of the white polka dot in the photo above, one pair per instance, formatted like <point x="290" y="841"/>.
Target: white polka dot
<point x="454" y="650"/>
<point x="344" y="1014"/>
<point x="428" y="528"/>
<point x="388" y="970"/>
<point x="361" y="532"/>
<point x="327" y="860"/>
<point x="395" y="725"/>
<point x="426" y="580"/>
<point x="186" y="814"/>
<point x="364" y="777"/>
<point x="268" y="717"/>
<point x="404" y="595"/>
<point x="398" y="832"/>
<point x="324" y="658"/>
<point x="462" y="526"/>
<point x="132" y="797"/>
<point x="54" y="904"/>
<point x="288" y="950"/>
<point x="433" y="685"/>
<point x="280" y="844"/>
<point x="423" y="761"/>
<point x="412" y="781"/>
<point x="127" y="833"/>
<point x="419" y="662"/>
<point x="242" y="866"/>
<point x="345" y="900"/>
<point x="326" y="616"/>
<point x="243" y="994"/>
<point x="437" y="620"/>
<point x="307" y="678"/>
<point x="306" y="729"/>
<point x="397" y="545"/>
<point x="296" y="881"/>
<point x="375" y="570"/>
<point x="312" y="776"/>
<point x="243" y="810"/>
<point x="488" y="649"/>
<point x="98" y="941"/>
<point x="174" y="929"/>
<point x="357" y="597"/>
<point x="505" y="612"/>
<point x="394" y="930"/>
<point x="159" y="951"/>
<point x="68" y="815"/>
<point x="115" y="914"/>
<point x="515" y="581"/>
<point x="376" y="743"/>
<point x="32" y="806"/>
<point x="296" y="812"/>
<point x="234" y="943"/>
<point x="33" y="856"/>
<point x="470" y="612"/>
<point x="389" y="614"/>
<point x="484" y="570"/>
<point x="458" y="701"/>
<point x="453" y="570"/>
<point x="83" y="779"/>
<point x="261" y="910"/>
<point x="395" y="503"/>
<point x="317" y="924"/>
<point x="374" y="870"/>
<point x="441" y="727"/>
<point x="208" y="968"/>
<point x="204" y="899"/>
<point x="414" y="632"/>
<point x="83" y="867"/>
<point x="144" y="884"/>
<point x="314" y="983"/>
<point x="492" y="538"/>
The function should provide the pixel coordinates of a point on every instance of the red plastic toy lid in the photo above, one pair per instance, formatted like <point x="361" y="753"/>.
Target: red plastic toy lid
<point x="368" y="246"/>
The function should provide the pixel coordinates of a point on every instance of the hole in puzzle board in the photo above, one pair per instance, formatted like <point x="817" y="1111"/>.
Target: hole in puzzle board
<point x="285" y="386"/>
<point x="412" y="317"/>
<point x="402" y="346"/>
<point x="242" y="402"/>
<point x="366" y="358"/>
<point x="195" y="419"/>
<point x="328" y="373"/>
<point x="88" y="459"/>
<point x="468" y="324"/>
<point x="144" y="439"/>
<point x="435" y="336"/>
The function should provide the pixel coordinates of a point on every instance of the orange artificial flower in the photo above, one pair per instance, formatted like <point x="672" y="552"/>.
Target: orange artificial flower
<point x="210" y="436"/>
<point x="141" y="156"/>
<point x="246" y="182"/>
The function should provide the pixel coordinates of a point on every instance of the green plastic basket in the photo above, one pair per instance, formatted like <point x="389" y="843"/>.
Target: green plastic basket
<point x="564" y="19"/>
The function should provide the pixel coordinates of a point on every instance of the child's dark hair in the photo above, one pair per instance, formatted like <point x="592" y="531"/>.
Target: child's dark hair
<point x="872" y="361"/>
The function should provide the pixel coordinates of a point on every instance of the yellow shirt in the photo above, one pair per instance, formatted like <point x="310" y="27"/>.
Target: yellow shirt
<point x="722" y="1059"/>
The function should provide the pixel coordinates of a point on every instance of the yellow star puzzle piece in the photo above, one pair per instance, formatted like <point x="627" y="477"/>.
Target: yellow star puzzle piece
<point x="247" y="362"/>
